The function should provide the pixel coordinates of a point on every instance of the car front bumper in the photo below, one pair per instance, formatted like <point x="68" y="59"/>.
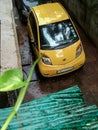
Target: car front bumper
<point x="50" y="70"/>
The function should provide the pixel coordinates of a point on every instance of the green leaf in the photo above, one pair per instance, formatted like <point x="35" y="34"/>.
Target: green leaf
<point x="11" y="80"/>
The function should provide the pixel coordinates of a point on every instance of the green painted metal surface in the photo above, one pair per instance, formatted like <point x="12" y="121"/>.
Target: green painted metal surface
<point x="63" y="110"/>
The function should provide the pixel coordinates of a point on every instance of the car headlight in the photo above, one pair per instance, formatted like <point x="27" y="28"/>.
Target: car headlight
<point x="78" y="50"/>
<point x="46" y="60"/>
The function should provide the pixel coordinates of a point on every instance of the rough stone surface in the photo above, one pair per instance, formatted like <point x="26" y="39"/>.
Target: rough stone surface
<point x="86" y="13"/>
<point x="9" y="54"/>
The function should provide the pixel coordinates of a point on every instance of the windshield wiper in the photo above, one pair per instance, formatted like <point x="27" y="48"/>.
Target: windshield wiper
<point x="59" y="46"/>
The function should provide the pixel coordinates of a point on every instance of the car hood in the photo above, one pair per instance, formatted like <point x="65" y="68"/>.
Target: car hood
<point x="61" y="56"/>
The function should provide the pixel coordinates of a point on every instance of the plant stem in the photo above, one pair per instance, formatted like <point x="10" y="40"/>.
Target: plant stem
<point x="20" y="97"/>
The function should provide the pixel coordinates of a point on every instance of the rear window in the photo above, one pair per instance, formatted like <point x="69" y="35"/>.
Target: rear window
<point x="32" y="3"/>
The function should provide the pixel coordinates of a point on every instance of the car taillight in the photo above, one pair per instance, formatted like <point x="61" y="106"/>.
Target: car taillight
<point x="78" y="50"/>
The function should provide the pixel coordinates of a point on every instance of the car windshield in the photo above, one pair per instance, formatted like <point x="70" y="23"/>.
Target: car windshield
<point x="57" y="35"/>
<point x="31" y="3"/>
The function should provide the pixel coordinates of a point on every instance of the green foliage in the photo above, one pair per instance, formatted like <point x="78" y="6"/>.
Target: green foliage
<point x="11" y="80"/>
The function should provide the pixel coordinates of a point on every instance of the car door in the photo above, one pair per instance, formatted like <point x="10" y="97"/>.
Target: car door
<point x="32" y="28"/>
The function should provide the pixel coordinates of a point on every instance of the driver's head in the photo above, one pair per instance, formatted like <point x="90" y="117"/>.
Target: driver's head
<point x="60" y="27"/>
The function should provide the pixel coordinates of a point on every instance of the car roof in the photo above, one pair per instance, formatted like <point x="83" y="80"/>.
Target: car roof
<point x="49" y="13"/>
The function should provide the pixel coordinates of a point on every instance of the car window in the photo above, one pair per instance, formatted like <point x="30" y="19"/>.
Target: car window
<point x="34" y="28"/>
<point x="57" y="35"/>
<point x="31" y="3"/>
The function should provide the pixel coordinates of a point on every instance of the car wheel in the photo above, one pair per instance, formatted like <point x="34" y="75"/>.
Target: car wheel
<point x="81" y="68"/>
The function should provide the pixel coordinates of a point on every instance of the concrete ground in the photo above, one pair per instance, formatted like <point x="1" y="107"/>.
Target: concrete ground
<point x="86" y="78"/>
<point x="9" y="48"/>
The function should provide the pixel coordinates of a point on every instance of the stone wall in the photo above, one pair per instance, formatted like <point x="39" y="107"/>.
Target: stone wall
<point x="9" y="48"/>
<point x="86" y="13"/>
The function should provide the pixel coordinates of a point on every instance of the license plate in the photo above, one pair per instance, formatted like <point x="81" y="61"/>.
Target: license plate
<point x="64" y="70"/>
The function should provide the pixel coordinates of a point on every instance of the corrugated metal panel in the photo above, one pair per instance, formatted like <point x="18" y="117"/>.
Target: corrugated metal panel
<point x="61" y="110"/>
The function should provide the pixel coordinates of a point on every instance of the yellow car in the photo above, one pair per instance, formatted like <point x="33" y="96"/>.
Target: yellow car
<point x="54" y="36"/>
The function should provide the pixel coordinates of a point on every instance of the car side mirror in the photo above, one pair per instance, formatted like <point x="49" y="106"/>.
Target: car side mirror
<point x="32" y="41"/>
